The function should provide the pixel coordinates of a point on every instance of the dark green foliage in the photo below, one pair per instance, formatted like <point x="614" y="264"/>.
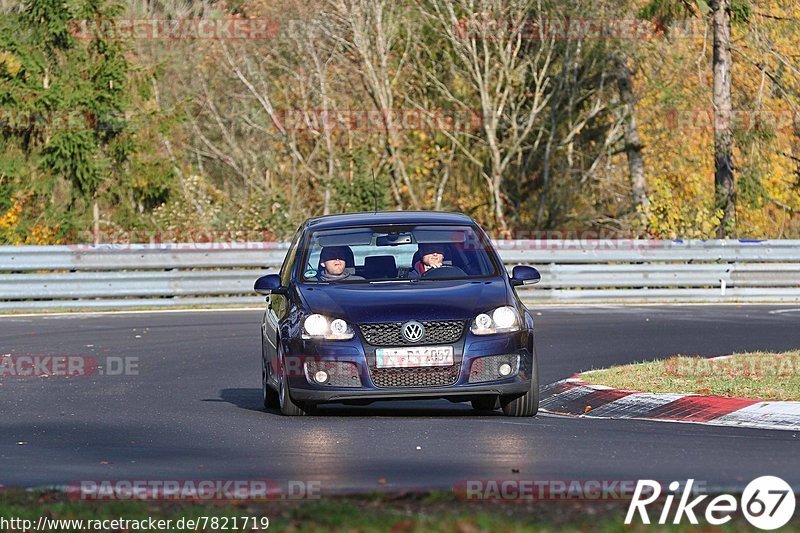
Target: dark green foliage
<point x="65" y="98"/>
<point x="357" y="195"/>
<point x="667" y="11"/>
<point x="741" y="11"/>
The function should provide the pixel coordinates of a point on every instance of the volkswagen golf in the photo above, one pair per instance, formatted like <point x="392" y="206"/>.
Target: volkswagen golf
<point x="400" y="305"/>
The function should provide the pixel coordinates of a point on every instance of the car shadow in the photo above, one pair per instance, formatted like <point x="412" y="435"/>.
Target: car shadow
<point x="250" y="399"/>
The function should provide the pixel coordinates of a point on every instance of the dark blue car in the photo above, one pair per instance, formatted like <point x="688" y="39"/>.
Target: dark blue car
<point x="389" y="306"/>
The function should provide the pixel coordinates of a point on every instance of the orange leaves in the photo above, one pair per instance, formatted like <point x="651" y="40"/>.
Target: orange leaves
<point x="16" y="227"/>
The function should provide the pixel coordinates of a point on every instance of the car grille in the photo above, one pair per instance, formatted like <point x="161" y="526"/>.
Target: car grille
<point x="415" y="377"/>
<point x="389" y="333"/>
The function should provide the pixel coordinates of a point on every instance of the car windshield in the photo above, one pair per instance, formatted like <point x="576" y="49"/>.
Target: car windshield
<point x="391" y="253"/>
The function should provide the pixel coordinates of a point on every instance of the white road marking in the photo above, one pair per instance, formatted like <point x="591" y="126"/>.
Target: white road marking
<point x="641" y="403"/>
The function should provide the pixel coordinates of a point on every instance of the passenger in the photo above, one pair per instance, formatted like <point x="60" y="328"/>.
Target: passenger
<point x="431" y="256"/>
<point x="334" y="264"/>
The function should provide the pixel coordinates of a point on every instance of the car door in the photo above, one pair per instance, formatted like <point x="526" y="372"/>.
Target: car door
<point x="278" y="305"/>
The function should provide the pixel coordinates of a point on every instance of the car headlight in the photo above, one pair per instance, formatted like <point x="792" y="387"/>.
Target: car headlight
<point x="501" y="320"/>
<point x="321" y="327"/>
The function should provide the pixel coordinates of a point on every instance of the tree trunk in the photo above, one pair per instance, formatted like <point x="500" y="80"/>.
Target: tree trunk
<point x="633" y="144"/>
<point x="497" y="198"/>
<point x="796" y="153"/>
<point x="96" y="220"/>
<point x="548" y="151"/>
<point x="496" y="180"/>
<point x="723" y="135"/>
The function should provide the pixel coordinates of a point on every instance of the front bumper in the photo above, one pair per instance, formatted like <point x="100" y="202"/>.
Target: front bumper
<point x="358" y="356"/>
<point x="455" y="393"/>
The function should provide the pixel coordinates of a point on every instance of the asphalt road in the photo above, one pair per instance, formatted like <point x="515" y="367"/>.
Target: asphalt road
<point x="193" y="410"/>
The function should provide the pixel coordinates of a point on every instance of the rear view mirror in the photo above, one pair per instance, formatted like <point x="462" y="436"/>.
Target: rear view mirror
<point x="524" y="275"/>
<point x="393" y="239"/>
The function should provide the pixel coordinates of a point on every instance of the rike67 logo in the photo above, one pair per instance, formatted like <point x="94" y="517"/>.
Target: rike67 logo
<point x="767" y="502"/>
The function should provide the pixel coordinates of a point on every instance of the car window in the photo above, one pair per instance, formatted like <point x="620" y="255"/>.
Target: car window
<point x="391" y="253"/>
<point x="288" y="262"/>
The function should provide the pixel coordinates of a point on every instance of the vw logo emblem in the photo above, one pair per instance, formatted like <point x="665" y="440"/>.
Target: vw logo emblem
<point x="413" y="331"/>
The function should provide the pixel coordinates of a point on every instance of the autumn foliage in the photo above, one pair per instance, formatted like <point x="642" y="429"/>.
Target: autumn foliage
<point x="523" y="114"/>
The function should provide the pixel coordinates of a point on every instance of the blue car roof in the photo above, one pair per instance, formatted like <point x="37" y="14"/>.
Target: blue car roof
<point x="387" y="217"/>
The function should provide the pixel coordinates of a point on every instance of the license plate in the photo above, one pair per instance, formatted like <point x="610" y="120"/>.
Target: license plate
<point x="419" y="356"/>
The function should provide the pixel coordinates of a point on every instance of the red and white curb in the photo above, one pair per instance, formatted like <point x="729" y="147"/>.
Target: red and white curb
<point x="573" y="396"/>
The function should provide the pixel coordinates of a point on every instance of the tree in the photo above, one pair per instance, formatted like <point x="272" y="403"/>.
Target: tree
<point x="370" y="33"/>
<point x="633" y="144"/>
<point x="719" y="11"/>
<point x="723" y="111"/>
<point x="73" y="93"/>
<point x="503" y="74"/>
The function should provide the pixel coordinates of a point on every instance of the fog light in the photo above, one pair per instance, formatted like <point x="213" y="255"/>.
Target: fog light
<point x="339" y="327"/>
<point x="505" y="369"/>
<point x="321" y="376"/>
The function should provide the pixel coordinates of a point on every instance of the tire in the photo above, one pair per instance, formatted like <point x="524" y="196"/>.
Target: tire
<point x="528" y="403"/>
<point x="287" y="405"/>
<point x="269" y="396"/>
<point x="485" y="403"/>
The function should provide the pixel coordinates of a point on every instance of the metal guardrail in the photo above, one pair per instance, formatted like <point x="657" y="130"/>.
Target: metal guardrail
<point x="168" y="275"/>
<point x="142" y="256"/>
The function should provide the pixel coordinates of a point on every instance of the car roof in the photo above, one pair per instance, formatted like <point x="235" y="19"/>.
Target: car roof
<point x="387" y="217"/>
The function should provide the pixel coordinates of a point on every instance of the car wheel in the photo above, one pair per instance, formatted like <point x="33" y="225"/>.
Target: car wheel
<point x="485" y="403"/>
<point x="528" y="403"/>
<point x="270" y="397"/>
<point x="287" y="405"/>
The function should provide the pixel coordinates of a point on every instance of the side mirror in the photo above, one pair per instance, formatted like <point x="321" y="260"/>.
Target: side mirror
<point x="268" y="284"/>
<point x="524" y="275"/>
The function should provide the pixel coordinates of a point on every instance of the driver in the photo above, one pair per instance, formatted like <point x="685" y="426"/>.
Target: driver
<point x="431" y="256"/>
<point x="334" y="264"/>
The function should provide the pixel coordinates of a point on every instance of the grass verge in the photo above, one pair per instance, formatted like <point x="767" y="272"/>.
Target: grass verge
<point x="404" y="512"/>
<point x="759" y="375"/>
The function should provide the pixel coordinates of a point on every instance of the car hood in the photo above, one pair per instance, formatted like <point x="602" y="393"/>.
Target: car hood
<point x="390" y="302"/>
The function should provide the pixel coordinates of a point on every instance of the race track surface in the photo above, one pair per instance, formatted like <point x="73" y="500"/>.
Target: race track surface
<point x="193" y="411"/>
